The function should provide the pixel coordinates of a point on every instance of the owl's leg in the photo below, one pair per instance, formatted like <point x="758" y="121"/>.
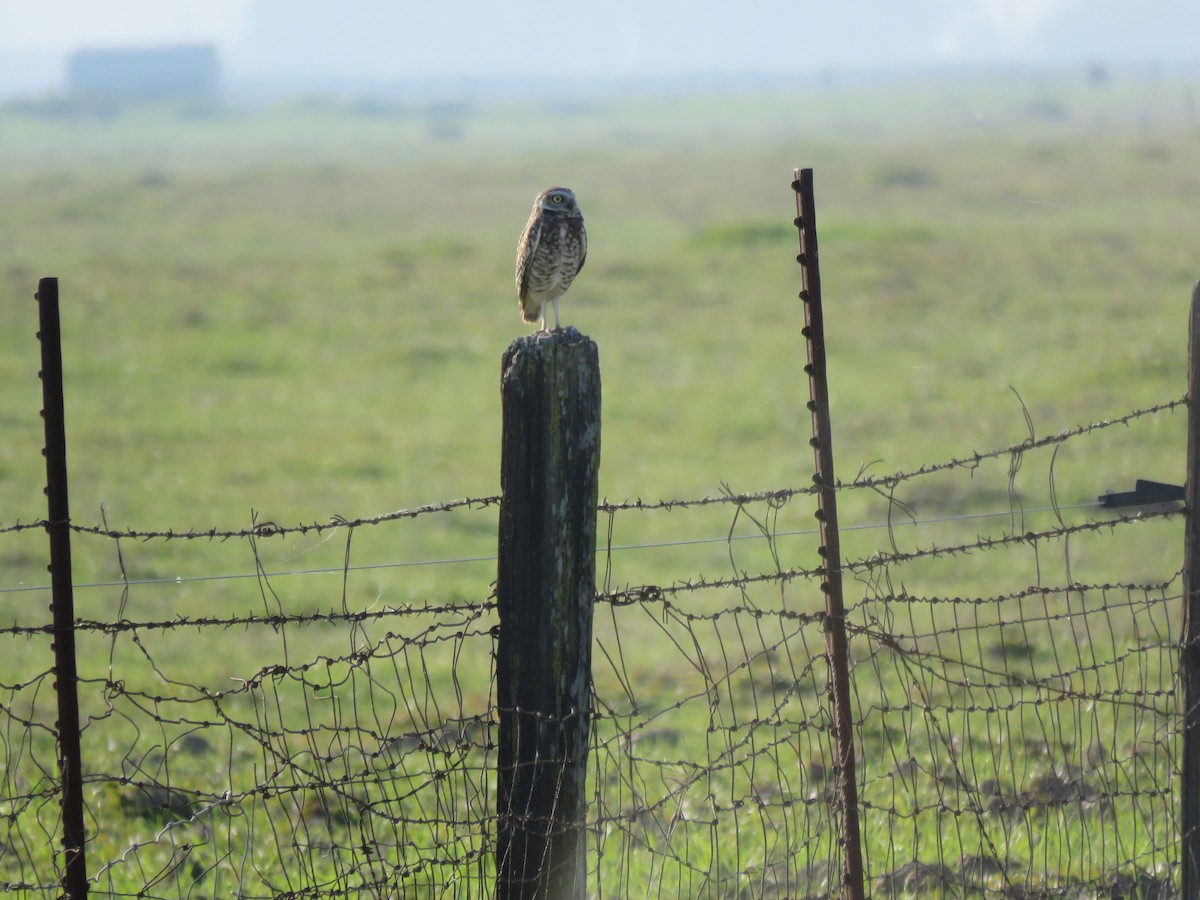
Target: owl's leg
<point x="557" y="327"/>
<point x="542" y="324"/>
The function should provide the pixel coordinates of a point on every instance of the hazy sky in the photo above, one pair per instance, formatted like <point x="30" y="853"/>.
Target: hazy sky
<point x="403" y="38"/>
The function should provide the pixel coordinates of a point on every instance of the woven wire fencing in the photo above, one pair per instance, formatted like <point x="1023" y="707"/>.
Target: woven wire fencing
<point x="1023" y="741"/>
<point x="1014" y="698"/>
<point x="296" y="729"/>
<point x="264" y="735"/>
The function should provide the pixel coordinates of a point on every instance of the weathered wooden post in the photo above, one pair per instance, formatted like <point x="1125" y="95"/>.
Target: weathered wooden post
<point x="545" y="589"/>
<point x="1189" y="655"/>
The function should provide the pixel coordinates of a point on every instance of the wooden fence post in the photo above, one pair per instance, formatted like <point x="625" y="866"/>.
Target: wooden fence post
<point x="545" y="590"/>
<point x="1189" y="654"/>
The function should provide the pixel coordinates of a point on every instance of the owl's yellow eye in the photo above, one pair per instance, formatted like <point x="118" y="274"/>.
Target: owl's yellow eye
<point x="558" y="198"/>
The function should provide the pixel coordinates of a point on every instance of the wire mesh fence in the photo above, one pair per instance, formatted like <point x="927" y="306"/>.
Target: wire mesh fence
<point x="971" y="690"/>
<point x="317" y="731"/>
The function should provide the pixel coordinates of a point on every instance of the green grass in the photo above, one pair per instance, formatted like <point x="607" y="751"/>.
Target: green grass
<point x="298" y="313"/>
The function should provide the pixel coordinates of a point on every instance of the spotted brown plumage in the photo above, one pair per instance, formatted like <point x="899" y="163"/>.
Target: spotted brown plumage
<point x="550" y="253"/>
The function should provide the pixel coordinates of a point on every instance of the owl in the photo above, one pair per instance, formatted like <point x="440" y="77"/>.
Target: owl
<point x="550" y="253"/>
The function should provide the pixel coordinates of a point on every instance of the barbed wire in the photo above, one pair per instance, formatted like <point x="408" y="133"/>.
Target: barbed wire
<point x="777" y="496"/>
<point x="333" y="745"/>
<point x="727" y="538"/>
<point x="1021" y="447"/>
<point x="885" y="560"/>
<point x="262" y="529"/>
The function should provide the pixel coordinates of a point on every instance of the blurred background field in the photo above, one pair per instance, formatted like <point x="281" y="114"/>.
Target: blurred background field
<point x="301" y="311"/>
<point x="296" y="312"/>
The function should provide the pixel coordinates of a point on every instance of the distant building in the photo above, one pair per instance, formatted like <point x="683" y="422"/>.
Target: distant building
<point x="185" y="72"/>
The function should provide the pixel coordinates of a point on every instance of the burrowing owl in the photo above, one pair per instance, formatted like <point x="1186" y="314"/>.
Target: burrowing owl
<point x="550" y="253"/>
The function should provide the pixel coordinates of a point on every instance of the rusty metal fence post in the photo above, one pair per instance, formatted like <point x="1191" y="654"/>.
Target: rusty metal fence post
<point x="1189" y="654"/>
<point x="62" y="603"/>
<point x="830" y="550"/>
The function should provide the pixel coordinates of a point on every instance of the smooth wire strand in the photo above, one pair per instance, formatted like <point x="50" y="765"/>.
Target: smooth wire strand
<point x="460" y="560"/>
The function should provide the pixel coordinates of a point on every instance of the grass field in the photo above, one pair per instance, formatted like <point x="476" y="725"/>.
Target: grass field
<point x="297" y="313"/>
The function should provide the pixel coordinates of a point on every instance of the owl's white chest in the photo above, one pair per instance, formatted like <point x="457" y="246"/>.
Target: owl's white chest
<point x="556" y="275"/>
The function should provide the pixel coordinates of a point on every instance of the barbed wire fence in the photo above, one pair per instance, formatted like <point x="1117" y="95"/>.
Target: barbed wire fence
<point x="288" y="735"/>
